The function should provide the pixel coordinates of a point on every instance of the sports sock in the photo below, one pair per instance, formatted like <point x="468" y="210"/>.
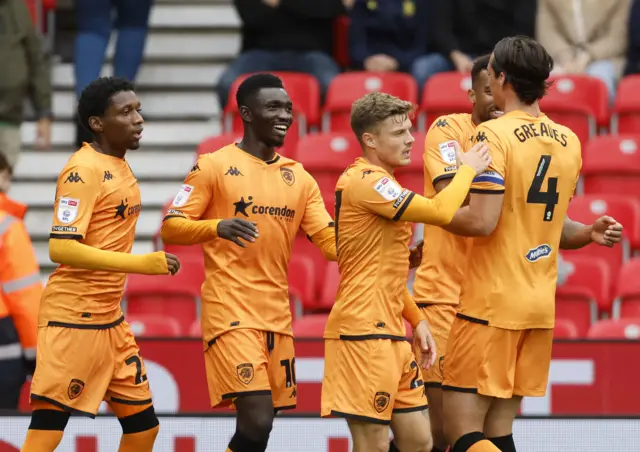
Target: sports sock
<point x="504" y="443"/>
<point x="42" y="440"/>
<point x="240" y="443"/>
<point x="474" y="442"/>
<point x="140" y="441"/>
<point x="393" y="447"/>
<point x="483" y="446"/>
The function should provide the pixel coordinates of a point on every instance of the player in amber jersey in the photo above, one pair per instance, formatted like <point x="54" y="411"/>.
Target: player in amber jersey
<point x="86" y="351"/>
<point x="371" y="376"/>
<point x="499" y="348"/>
<point x="246" y="319"/>
<point x="436" y="289"/>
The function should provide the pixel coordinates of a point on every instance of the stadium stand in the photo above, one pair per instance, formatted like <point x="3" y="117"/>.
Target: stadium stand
<point x="626" y="301"/>
<point x="443" y="94"/>
<point x="625" y="116"/>
<point x="616" y="329"/>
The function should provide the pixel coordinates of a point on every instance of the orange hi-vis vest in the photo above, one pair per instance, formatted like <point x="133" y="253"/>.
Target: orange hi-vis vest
<point x="20" y="285"/>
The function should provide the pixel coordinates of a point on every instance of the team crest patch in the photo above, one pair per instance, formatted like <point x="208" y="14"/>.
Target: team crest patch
<point x="288" y="176"/>
<point x="245" y="373"/>
<point x="75" y="388"/>
<point x="381" y="401"/>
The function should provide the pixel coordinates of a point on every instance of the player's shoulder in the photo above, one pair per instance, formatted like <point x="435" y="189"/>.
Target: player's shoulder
<point x="361" y="173"/>
<point x="83" y="163"/>
<point x="453" y="122"/>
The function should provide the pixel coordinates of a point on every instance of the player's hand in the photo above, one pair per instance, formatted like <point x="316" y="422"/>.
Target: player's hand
<point x="461" y="61"/>
<point x="236" y="229"/>
<point x="173" y="264"/>
<point x="43" y="134"/>
<point x="272" y="3"/>
<point x="478" y="157"/>
<point x="425" y="345"/>
<point x="606" y="231"/>
<point x="415" y="254"/>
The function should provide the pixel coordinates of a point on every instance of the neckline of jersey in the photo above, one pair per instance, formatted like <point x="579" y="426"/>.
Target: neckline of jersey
<point x="90" y="148"/>
<point x="524" y="115"/>
<point x="253" y="157"/>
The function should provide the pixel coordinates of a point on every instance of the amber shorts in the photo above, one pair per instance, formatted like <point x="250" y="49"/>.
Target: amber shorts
<point x="251" y="362"/>
<point x="497" y="362"/>
<point x="76" y="369"/>
<point x="369" y="380"/>
<point x="440" y="317"/>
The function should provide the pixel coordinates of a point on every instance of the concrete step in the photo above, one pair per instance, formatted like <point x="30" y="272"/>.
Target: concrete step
<point x="152" y="74"/>
<point x="42" y="194"/>
<point x="38" y="222"/>
<point x="193" y="104"/>
<point x="180" y="15"/>
<point x="178" y="133"/>
<point x="146" y="163"/>
<point x="41" y="248"/>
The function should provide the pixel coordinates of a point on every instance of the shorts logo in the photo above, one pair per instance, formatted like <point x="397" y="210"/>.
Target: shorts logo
<point x="75" y="389"/>
<point x="287" y="176"/>
<point x="539" y="252"/>
<point x="381" y="401"/>
<point x="245" y="373"/>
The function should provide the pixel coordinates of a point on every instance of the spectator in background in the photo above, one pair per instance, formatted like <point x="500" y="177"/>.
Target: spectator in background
<point x="95" y="21"/>
<point x="25" y="73"/>
<point x="585" y="36"/>
<point x="462" y="30"/>
<point x="387" y="35"/>
<point x="633" y="40"/>
<point x="285" y="35"/>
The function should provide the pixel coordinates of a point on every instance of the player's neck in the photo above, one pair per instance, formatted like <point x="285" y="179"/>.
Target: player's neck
<point x="374" y="160"/>
<point x="257" y="149"/>
<point x="104" y="148"/>
<point x="514" y="104"/>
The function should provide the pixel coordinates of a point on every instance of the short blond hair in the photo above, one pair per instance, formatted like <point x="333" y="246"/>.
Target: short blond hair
<point x="373" y="108"/>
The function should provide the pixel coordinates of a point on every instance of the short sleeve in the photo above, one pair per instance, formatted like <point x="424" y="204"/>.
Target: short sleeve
<point x="316" y="217"/>
<point x="77" y="192"/>
<point x="440" y="153"/>
<point x="381" y="194"/>
<point x="492" y="180"/>
<point x="196" y="193"/>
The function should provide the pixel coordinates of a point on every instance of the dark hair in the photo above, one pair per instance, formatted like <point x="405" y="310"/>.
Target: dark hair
<point x="251" y="85"/>
<point x="526" y="66"/>
<point x="479" y="65"/>
<point x="96" y="97"/>
<point x="4" y="164"/>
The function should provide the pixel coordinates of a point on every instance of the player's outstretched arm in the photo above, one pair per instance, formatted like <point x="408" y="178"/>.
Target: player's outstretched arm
<point x="182" y="231"/>
<point x="325" y="239"/>
<point x="605" y="231"/>
<point x="317" y="222"/>
<point x="75" y="254"/>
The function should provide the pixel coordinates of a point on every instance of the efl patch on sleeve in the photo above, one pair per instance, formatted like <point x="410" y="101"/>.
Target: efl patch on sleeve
<point x="388" y="189"/>
<point x="68" y="209"/>
<point x="183" y="195"/>
<point x="448" y="151"/>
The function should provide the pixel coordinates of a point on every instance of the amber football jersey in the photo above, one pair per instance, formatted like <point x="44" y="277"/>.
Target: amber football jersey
<point x="510" y="279"/>
<point x="439" y="277"/>
<point x="98" y="203"/>
<point x="373" y="254"/>
<point x="247" y="287"/>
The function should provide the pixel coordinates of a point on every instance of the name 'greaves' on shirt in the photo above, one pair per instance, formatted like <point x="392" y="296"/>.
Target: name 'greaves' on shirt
<point x="527" y="131"/>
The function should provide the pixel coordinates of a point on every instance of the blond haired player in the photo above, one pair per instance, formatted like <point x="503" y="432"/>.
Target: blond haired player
<point x="371" y="376"/>
<point x="499" y="348"/>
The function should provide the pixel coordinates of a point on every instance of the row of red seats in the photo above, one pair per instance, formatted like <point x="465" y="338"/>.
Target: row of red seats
<point x="577" y="101"/>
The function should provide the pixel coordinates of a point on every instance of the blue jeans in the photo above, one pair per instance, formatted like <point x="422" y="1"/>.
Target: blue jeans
<point x="95" y="22"/>
<point x="605" y="70"/>
<point x="427" y="65"/>
<point x="318" y="64"/>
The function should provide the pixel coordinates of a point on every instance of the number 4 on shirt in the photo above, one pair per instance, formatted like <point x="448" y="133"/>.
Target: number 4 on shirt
<point x="550" y="197"/>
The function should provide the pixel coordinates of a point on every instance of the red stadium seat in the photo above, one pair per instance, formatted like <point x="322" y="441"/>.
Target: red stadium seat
<point x="627" y="297"/>
<point x="303" y="247"/>
<point x="330" y="286"/>
<point x="616" y="329"/>
<point x="153" y="325"/>
<point x="587" y="209"/>
<point x="213" y="144"/>
<point x="565" y="329"/>
<point x="310" y="326"/>
<point x="326" y="156"/>
<point x="172" y="296"/>
<point x="443" y="94"/>
<point x="347" y="87"/>
<point x="611" y="165"/>
<point x="579" y="102"/>
<point x="585" y="291"/>
<point x="412" y="176"/>
<point x="195" y="330"/>
<point x="625" y="117"/>
<point x="302" y="279"/>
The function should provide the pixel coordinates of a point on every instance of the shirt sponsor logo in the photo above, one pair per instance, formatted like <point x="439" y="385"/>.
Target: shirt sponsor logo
<point x="183" y="195"/>
<point x="539" y="252"/>
<point x="68" y="210"/>
<point x="448" y="151"/>
<point x="388" y="189"/>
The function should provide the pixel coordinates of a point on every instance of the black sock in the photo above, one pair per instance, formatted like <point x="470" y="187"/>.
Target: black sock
<point x="435" y="449"/>
<point x="393" y="447"/>
<point x="240" y="443"/>
<point x="466" y="441"/>
<point x="504" y="443"/>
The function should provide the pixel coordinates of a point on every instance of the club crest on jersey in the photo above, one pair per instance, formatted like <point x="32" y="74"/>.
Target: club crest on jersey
<point x="245" y="373"/>
<point x="381" y="401"/>
<point x="388" y="189"/>
<point x="539" y="252"/>
<point x="288" y="176"/>
<point x="183" y="195"/>
<point x="68" y="210"/>
<point x="75" y="388"/>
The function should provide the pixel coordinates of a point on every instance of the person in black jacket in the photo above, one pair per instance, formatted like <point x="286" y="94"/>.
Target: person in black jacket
<point x="633" y="42"/>
<point x="285" y="35"/>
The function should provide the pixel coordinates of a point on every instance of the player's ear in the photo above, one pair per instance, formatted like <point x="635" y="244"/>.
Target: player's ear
<point x="369" y="140"/>
<point x="245" y="113"/>
<point x="95" y="124"/>
<point x="471" y="94"/>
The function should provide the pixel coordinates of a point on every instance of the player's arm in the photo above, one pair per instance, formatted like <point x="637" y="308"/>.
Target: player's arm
<point x="605" y="231"/>
<point x="422" y="335"/>
<point x="481" y="216"/>
<point x="317" y="223"/>
<point x="183" y="224"/>
<point x="77" y="192"/>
